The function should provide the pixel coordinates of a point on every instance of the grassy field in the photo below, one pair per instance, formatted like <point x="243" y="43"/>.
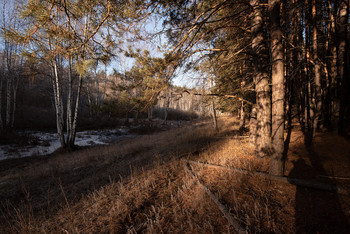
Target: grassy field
<point x="147" y="185"/>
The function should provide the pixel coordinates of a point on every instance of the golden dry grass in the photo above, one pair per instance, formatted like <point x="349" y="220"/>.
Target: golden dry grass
<point x="141" y="186"/>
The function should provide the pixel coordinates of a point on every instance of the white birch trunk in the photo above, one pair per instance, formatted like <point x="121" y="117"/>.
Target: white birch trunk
<point x="76" y="110"/>
<point x="58" y="104"/>
<point x="69" y="102"/>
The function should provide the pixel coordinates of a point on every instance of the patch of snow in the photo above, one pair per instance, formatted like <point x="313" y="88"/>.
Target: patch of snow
<point x="48" y="142"/>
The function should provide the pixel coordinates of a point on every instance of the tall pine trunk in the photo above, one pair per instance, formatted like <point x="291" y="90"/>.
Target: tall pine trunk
<point x="261" y="80"/>
<point x="317" y="81"/>
<point x="276" y="164"/>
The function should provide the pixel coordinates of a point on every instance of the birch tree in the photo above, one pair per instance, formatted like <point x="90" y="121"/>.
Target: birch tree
<point x="64" y="31"/>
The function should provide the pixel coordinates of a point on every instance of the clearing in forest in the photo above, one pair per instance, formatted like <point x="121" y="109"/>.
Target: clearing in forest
<point x="185" y="180"/>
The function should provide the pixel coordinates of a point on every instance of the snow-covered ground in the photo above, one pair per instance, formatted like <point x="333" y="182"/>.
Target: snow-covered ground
<point x="47" y="143"/>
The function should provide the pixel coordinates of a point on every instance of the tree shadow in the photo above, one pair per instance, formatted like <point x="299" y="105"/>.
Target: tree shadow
<point x="56" y="185"/>
<point x="316" y="211"/>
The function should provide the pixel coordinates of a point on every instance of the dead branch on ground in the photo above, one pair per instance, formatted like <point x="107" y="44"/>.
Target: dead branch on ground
<point x="222" y="208"/>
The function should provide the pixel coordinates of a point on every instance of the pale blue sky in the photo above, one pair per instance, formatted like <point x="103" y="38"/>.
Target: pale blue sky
<point x="157" y="46"/>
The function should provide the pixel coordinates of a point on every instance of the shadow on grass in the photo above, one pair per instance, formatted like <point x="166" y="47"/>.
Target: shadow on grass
<point x="50" y="183"/>
<point x="316" y="211"/>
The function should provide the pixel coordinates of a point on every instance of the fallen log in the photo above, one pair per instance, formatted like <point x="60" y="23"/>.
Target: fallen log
<point x="298" y="182"/>
<point x="222" y="208"/>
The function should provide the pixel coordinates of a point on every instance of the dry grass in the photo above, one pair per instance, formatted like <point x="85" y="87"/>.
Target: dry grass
<point x="141" y="186"/>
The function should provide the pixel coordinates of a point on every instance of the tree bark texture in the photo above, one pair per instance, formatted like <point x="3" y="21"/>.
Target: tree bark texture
<point x="262" y="88"/>
<point x="317" y="81"/>
<point x="69" y="100"/>
<point x="76" y="111"/>
<point x="58" y="104"/>
<point x="276" y="165"/>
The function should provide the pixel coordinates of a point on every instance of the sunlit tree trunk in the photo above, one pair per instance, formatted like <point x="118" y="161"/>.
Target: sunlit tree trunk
<point x="261" y="80"/>
<point x="276" y="164"/>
